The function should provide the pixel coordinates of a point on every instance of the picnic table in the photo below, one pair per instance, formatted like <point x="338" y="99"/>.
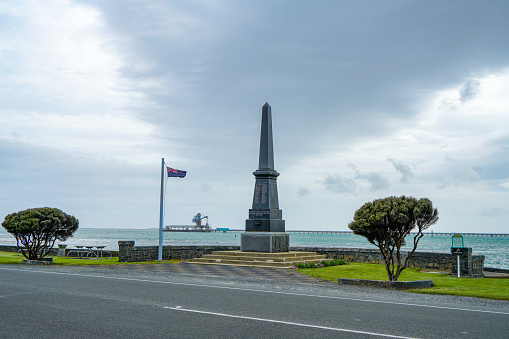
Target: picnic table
<point x="88" y="252"/>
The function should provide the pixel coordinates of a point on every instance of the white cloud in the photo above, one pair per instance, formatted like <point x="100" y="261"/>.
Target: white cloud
<point x="65" y="86"/>
<point x="65" y="53"/>
<point x="440" y="150"/>
<point x="113" y="136"/>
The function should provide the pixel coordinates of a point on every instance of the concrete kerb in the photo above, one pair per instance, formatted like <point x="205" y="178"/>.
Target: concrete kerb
<point x="396" y="285"/>
<point x="43" y="261"/>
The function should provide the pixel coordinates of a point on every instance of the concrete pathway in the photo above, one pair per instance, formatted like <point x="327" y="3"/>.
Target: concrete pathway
<point x="276" y="274"/>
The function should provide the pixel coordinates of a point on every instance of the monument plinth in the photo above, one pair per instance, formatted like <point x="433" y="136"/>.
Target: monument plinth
<point x="265" y="228"/>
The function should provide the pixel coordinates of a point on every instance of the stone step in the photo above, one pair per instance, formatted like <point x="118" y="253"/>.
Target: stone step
<point x="259" y="259"/>
<point x="257" y="263"/>
<point x="291" y="254"/>
<point x="271" y="259"/>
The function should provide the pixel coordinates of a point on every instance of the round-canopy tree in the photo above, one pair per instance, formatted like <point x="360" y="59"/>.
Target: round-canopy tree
<point x="386" y="222"/>
<point x="37" y="229"/>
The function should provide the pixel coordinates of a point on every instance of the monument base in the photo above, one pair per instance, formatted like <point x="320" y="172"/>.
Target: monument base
<point x="271" y="242"/>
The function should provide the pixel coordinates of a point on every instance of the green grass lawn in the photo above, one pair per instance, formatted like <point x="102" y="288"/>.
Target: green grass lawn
<point x="14" y="258"/>
<point x="442" y="283"/>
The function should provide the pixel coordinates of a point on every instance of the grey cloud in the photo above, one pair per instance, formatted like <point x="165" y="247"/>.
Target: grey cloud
<point x="352" y="166"/>
<point x="340" y="184"/>
<point x="403" y="169"/>
<point x="447" y="105"/>
<point x="469" y="90"/>
<point x="315" y="61"/>
<point x="303" y="192"/>
<point x="376" y="180"/>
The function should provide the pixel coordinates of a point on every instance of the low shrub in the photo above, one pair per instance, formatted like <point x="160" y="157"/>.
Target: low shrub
<point x="323" y="263"/>
<point x="337" y="262"/>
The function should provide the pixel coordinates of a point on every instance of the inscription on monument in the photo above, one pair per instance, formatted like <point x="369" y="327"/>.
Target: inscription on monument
<point x="264" y="193"/>
<point x="261" y="192"/>
<point x="254" y="214"/>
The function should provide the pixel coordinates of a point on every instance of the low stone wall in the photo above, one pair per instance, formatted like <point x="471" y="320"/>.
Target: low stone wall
<point x="362" y="255"/>
<point x="12" y="248"/>
<point x="127" y="252"/>
<point x="424" y="260"/>
<point x="8" y="248"/>
<point x="471" y="266"/>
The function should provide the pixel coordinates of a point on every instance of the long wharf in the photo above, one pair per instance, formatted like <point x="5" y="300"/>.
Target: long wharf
<point x="350" y="232"/>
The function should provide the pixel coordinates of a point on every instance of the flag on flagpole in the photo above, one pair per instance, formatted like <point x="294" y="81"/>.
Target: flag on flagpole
<point x="175" y="173"/>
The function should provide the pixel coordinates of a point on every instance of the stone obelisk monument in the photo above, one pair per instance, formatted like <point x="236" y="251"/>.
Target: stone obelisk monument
<point x="265" y="228"/>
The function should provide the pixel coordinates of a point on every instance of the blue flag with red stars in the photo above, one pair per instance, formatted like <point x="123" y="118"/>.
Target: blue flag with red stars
<point x="175" y="173"/>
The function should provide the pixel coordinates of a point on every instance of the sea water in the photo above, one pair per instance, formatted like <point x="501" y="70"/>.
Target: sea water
<point x="495" y="249"/>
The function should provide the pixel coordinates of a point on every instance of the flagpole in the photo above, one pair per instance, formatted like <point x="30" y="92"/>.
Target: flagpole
<point x="161" y="204"/>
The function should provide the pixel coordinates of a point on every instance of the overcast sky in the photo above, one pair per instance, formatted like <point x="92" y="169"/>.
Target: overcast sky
<point x="369" y="99"/>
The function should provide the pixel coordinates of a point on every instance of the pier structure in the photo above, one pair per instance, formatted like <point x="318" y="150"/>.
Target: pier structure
<point x="187" y="228"/>
<point x="350" y="232"/>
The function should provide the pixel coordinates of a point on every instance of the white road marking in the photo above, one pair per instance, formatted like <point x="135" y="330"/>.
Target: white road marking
<point x="254" y="290"/>
<point x="178" y="308"/>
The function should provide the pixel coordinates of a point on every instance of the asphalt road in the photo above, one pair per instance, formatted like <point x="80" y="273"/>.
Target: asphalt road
<point x="94" y="303"/>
